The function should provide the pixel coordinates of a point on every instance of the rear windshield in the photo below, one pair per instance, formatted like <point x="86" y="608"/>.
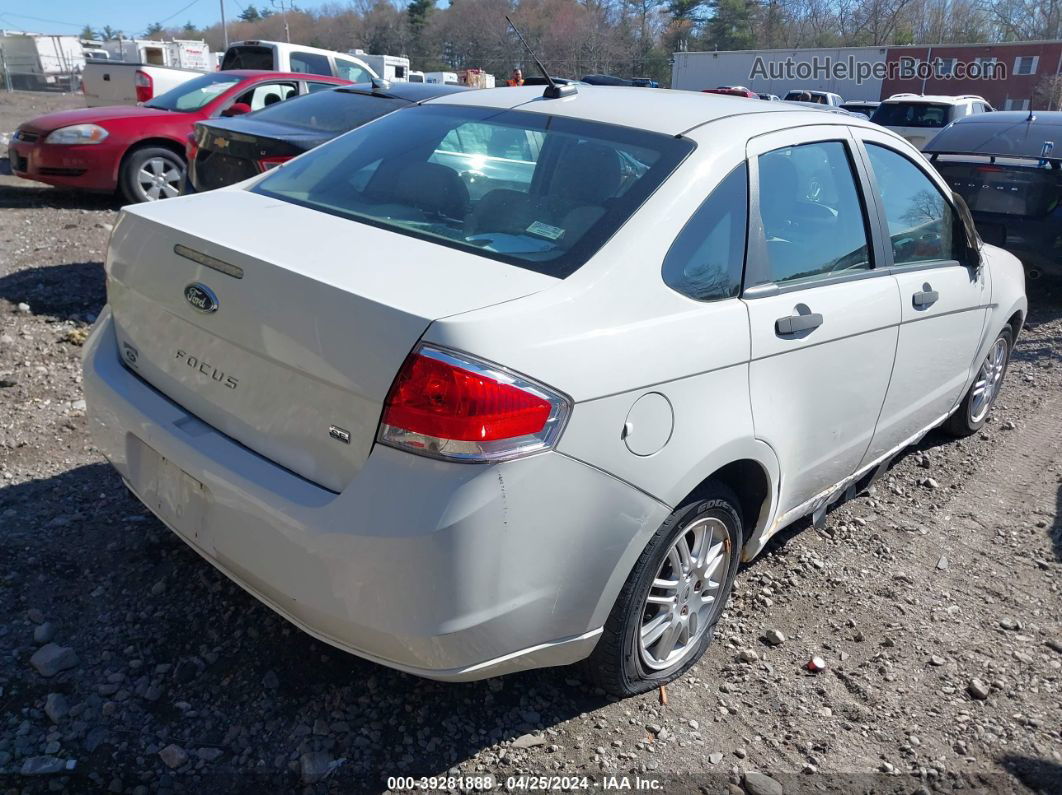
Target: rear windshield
<point x="541" y="192"/>
<point x="195" y="94"/>
<point x="248" y="57"/>
<point x="1020" y="190"/>
<point x="333" y="111"/>
<point x="912" y="114"/>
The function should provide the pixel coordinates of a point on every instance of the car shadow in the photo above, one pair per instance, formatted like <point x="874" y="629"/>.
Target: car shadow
<point x="58" y="291"/>
<point x="1039" y="775"/>
<point x="121" y="586"/>
<point x="31" y="195"/>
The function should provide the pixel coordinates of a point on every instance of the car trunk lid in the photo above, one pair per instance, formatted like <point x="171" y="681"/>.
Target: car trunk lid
<point x="282" y="326"/>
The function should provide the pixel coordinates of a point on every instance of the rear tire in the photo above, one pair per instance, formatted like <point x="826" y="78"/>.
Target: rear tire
<point x="628" y="659"/>
<point x="981" y="397"/>
<point x="151" y="173"/>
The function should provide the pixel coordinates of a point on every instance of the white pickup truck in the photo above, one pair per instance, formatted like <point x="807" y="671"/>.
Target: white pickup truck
<point x="121" y="83"/>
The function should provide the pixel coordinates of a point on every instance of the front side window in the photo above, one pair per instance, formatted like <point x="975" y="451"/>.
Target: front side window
<point x="310" y="63"/>
<point x="538" y="191"/>
<point x="706" y="259"/>
<point x="195" y="94"/>
<point x="922" y="224"/>
<point x="813" y="219"/>
<point x="912" y="114"/>
<point x="352" y="71"/>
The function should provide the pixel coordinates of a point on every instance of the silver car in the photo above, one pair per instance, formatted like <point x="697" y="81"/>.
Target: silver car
<point x="504" y="381"/>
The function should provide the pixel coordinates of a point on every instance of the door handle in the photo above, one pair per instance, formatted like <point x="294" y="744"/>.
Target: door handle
<point x="793" y="324"/>
<point x="925" y="297"/>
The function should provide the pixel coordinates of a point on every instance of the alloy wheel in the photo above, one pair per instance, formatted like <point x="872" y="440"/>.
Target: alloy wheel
<point x="159" y="179"/>
<point x="678" y="608"/>
<point x="988" y="380"/>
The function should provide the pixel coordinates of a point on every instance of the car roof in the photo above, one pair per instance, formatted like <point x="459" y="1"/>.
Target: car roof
<point x="412" y="92"/>
<point x="247" y="73"/>
<point x="664" y="110"/>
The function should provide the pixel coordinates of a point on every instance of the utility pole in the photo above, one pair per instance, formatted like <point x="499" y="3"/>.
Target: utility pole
<point x="284" y="13"/>
<point x="224" y="28"/>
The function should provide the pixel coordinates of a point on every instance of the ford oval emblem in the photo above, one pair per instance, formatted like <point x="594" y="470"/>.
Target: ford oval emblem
<point x="201" y="297"/>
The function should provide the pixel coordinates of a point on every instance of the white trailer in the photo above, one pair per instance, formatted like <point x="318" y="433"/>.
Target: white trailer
<point x="848" y="71"/>
<point x="449" y="78"/>
<point x="37" y="61"/>
<point x="177" y="54"/>
<point x="390" y="67"/>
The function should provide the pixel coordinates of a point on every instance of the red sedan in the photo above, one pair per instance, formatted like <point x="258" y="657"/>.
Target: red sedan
<point x="140" y="150"/>
<point x="733" y="91"/>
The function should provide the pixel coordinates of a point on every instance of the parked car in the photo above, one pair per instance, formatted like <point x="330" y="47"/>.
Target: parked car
<point x="226" y="151"/>
<point x="864" y="106"/>
<point x="606" y="80"/>
<point x="769" y="97"/>
<point x="463" y="429"/>
<point x="140" y="150"/>
<point x="281" y="56"/>
<point x="644" y="82"/>
<point x="919" y="118"/>
<point x="1007" y="165"/>
<point x="732" y="91"/>
<point x="818" y="97"/>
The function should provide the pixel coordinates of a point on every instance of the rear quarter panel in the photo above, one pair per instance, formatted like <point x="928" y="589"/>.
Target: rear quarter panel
<point x="613" y="332"/>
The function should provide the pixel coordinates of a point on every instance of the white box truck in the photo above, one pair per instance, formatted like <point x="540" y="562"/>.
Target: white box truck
<point x="390" y="67"/>
<point x="35" y="61"/>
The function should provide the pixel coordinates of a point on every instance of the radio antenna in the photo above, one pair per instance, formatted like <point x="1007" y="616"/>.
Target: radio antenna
<point x="553" y="90"/>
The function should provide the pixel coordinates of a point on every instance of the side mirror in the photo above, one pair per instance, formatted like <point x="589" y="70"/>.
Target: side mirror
<point x="973" y="240"/>
<point x="236" y="109"/>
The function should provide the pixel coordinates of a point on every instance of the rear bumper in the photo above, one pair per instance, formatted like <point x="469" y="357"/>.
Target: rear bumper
<point x="443" y="570"/>
<point x="90" y="167"/>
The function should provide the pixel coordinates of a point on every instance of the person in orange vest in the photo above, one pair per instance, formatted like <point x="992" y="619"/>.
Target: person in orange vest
<point x="517" y="79"/>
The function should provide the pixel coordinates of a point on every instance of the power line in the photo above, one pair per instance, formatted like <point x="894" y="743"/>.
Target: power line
<point x="42" y="19"/>
<point x="178" y="12"/>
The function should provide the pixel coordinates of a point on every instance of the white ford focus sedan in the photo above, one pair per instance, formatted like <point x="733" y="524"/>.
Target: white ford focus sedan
<point x="505" y="381"/>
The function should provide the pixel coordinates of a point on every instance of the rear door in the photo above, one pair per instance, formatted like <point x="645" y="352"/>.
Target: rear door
<point x="823" y="320"/>
<point x="943" y="300"/>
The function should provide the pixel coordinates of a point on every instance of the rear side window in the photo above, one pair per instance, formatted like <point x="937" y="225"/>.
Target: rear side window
<point x="310" y="63"/>
<point x="922" y="224"/>
<point x="912" y="114"/>
<point x="813" y="218"/>
<point x="707" y="257"/>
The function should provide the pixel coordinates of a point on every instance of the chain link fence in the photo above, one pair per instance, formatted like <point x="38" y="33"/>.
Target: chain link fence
<point x="22" y="68"/>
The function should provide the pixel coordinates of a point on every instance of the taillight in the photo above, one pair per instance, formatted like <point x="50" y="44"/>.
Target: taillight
<point x="453" y="406"/>
<point x="266" y="163"/>
<point x="145" y="86"/>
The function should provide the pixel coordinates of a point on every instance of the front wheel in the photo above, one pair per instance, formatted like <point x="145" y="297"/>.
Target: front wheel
<point x="150" y="174"/>
<point x="667" y="611"/>
<point x="978" y="402"/>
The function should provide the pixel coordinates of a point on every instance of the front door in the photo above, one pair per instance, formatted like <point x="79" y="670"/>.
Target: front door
<point x="943" y="299"/>
<point x="823" y="322"/>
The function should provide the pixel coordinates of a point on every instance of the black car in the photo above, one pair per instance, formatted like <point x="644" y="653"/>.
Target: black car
<point x="230" y="150"/>
<point x="1007" y="165"/>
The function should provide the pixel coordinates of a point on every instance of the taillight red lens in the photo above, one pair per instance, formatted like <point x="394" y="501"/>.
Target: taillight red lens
<point x="452" y="407"/>
<point x="267" y="163"/>
<point x="145" y="86"/>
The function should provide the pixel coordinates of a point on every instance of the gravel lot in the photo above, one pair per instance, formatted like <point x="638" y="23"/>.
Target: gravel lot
<point x="934" y="599"/>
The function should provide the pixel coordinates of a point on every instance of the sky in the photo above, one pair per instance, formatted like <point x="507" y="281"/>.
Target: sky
<point x="129" y="16"/>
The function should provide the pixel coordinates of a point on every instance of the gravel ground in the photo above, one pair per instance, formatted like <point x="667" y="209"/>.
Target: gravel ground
<point x="134" y="667"/>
